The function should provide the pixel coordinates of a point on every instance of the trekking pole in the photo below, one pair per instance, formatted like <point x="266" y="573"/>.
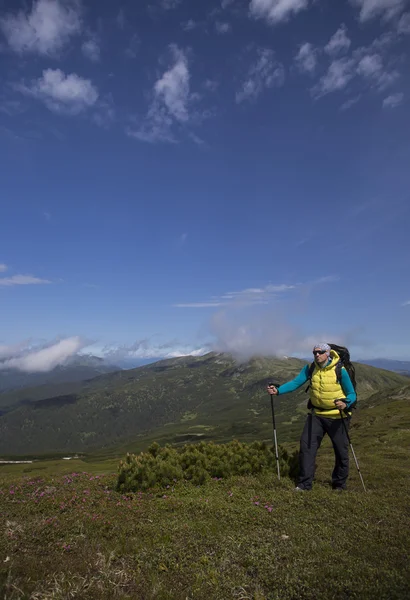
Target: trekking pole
<point x="274" y="432"/>
<point x="351" y="448"/>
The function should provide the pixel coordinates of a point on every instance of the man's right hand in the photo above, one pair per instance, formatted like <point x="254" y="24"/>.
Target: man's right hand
<point x="272" y="390"/>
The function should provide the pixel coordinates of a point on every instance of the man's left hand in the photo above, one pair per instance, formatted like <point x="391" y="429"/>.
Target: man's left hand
<point x="340" y="404"/>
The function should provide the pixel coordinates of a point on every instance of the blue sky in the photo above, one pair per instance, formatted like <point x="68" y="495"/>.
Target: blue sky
<point x="178" y="176"/>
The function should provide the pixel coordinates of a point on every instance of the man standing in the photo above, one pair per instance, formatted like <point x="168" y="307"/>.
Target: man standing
<point x="331" y="395"/>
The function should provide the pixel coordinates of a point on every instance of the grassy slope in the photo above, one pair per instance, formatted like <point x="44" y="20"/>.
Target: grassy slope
<point x="177" y="400"/>
<point x="247" y="538"/>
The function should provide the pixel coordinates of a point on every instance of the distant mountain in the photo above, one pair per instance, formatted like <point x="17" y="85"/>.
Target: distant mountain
<point x="76" y="368"/>
<point x="398" y="366"/>
<point x="133" y="363"/>
<point x="211" y="397"/>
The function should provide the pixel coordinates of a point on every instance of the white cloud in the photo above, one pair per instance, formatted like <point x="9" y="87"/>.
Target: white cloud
<point x="325" y="279"/>
<point x="386" y="79"/>
<point x="384" y="42"/>
<point x="3" y="267"/>
<point x="338" y="75"/>
<point x="91" y="48"/>
<point x="306" y="58"/>
<point x="222" y="28"/>
<point x="370" y="65"/>
<point x="386" y="9"/>
<point x="246" y="297"/>
<point x="256" y="329"/>
<point x="275" y="11"/>
<point x="21" y="280"/>
<point x="261" y="332"/>
<point x="33" y="360"/>
<point x="144" y="349"/>
<point x="46" y="29"/>
<point x="393" y="100"/>
<point x="173" y="87"/>
<point x="13" y="350"/>
<point x="169" y="4"/>
<point x="104" y="114"/>
<point x="189" y="25"/>
<point x="11" y="107"/>
<point x="210" y="85"/>
<point x="266" y="72"/>
<point x="133" y="46"/>
<point x="120" y="20"/>
<point x="339" y="42"/>
<point x="256" y="296"/>
<point x="156" y="128"/>
<point x="180" y="352"/>
<point x="407" y="303"/>
<point x="199" y="305"/>
<point x="68" y="94"/>
<point x="404" y="23"/>
<point x="170" y="103"/>
<point x="269" y="289"/>
<point x="366" y="63"/>
<point x="351" y="102"/>
<point x="196" y="139"/>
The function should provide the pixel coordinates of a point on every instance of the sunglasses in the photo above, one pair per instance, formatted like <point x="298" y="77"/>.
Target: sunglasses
<point x="319" y="351"/>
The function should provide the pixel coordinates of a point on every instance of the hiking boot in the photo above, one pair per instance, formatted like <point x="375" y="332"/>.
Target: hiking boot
<point x="338" y="489"/>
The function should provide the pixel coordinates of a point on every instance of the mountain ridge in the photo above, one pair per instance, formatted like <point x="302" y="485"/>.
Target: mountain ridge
<point x="75" y="368"/>
<point x="174" y="400"/>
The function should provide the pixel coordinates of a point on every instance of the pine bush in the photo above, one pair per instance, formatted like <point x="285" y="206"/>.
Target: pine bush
<point x="197" y="463"/>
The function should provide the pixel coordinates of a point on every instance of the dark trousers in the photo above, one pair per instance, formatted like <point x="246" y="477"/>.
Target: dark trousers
<point x="313" y="433"/>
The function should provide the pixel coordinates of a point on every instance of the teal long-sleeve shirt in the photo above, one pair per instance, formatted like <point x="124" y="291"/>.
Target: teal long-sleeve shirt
<point x="303" y="377"/>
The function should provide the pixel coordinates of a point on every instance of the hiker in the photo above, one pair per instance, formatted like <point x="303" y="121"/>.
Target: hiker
<point x="332" y="394"/>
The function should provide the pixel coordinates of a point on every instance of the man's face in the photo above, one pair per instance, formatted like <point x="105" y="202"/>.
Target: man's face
<point x="321" y="356"/>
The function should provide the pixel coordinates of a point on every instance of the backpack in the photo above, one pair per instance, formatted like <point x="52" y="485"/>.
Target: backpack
<point x="345" y="362"/>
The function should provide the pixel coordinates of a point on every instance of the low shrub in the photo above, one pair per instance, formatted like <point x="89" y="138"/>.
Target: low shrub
<point x="197" y="463"/>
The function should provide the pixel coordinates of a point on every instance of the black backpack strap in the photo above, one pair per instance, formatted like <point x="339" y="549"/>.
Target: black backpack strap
<point x="310" y="373"/>
<point x="339" y="367"/>
<point x="339" y="372"/>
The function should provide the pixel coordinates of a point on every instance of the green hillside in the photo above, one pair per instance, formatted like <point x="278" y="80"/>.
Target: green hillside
<point x="68" y="534"/>
<point x="178" y="400"/>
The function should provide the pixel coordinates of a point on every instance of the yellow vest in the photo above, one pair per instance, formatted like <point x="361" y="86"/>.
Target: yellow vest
<point x="325" y="389"/>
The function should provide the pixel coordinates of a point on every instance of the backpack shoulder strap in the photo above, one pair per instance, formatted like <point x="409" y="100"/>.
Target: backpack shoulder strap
<point x="310" y="373"/>
<point x="339" y="368"/>
<point x="339" y="372"/>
